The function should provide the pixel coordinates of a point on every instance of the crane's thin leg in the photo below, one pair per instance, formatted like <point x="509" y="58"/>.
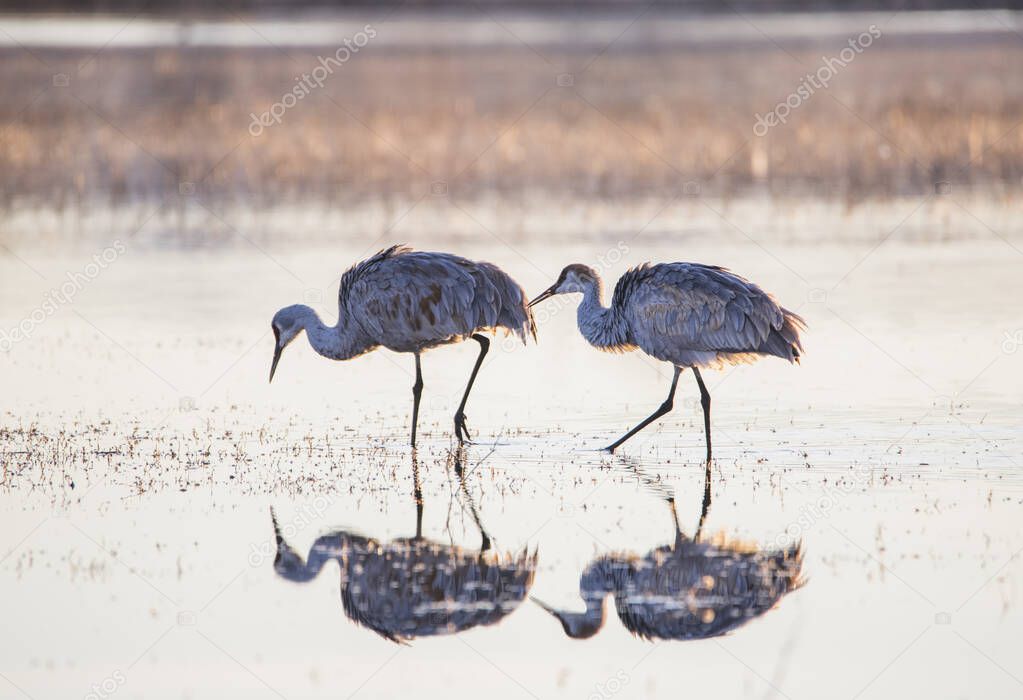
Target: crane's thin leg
<point x="460" y="413"/>
<point x="460" y="472"/>
<point x="706" y="503"/>
<point x="679" y="537"/>
<point x="417" y="392"/>
<point x="417" y="494"/>
<point x="664" y="408"/>
<point x="705" y="402"/>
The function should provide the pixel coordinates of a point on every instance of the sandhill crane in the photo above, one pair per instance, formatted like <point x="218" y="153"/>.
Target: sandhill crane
<point x="409" y="301"/>
<point x="689" y="590"/>
<point x="412" y="587"/>
<point x="687" y="314"/>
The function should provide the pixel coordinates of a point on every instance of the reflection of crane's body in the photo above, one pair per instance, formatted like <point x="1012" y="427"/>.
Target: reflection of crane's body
<point x="687" y="314"/>
<point x="691" y="589"/>
<point x="409" y="301"/>
<point x="411" y="587"/>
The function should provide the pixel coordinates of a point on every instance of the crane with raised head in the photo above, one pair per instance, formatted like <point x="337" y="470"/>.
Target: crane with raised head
<point x="688" y="314"/>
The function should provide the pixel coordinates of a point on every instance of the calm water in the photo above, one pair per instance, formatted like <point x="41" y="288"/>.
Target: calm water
<point x="143" y="450"/>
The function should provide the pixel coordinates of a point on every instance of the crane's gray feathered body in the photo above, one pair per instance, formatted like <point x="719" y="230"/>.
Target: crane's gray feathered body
<point x="690" y="315"/>
<point x="411" y="587"/>
<point x="410" y="301"/>
<point x="696" y="590"/>
<point x="687" y="314"/>
<point x="691" y="590"/>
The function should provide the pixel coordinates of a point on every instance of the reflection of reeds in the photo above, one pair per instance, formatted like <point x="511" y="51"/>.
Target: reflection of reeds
<point x="134" y="124"/>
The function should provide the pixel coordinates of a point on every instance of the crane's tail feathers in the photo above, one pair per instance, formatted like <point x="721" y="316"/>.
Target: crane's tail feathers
<point x="523" y="330"/>
<point x="786" y="342"/>
<point x="792" y="331"/>
<point x="524" y="315"/>
<point x="789" y="567"/>
<point x="530" y="324"/>
<point x="513" y="312"/>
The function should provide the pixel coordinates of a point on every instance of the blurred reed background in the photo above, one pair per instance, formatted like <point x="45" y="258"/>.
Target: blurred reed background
<point x="547" y="113"/>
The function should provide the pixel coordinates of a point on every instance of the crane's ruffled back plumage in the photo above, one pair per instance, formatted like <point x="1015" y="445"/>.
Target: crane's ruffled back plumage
<point x="699" y="315"/>
<point x="409" y="300"/>
<point x="412" y="587"/>
<point x="689" y="590"/>
<point x="697" y="590"/>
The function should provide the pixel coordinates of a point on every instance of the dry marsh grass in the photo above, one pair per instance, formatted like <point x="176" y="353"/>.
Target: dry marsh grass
<point x="134" y="124"/>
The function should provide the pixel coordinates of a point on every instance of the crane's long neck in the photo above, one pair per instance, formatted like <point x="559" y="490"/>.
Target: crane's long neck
<point x="289" y="564"/>
<point x="602" y="327"/>
<point x="342" y="341"/>
<point x="595" y="584"/>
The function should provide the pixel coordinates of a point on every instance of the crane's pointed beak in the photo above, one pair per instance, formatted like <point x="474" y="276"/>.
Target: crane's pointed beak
<point x="277" y="528"/>
<point x="546" y="294"/>
<point x="544" y="605"/>
<point x="278" y="348"/>
<point x="277" y="358"/>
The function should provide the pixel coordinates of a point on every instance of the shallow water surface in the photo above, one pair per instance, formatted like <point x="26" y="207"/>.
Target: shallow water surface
<point x="855" y="536"/>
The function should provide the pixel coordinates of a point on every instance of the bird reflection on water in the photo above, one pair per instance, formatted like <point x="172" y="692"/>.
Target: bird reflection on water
<point x="412" y="587"/>
<point x="691" y="589"/>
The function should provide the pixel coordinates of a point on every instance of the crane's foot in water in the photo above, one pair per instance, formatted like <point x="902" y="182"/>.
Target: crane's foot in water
<point x="461" y="429"/>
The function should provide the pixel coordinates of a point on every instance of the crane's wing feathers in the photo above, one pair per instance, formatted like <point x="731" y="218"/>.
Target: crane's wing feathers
<point x="407" y="299"/>
<point x="700" y="590"/>
<point x="414" y="588"/>
<point x="359" y="270"/>
<point x="688" y="313"/>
